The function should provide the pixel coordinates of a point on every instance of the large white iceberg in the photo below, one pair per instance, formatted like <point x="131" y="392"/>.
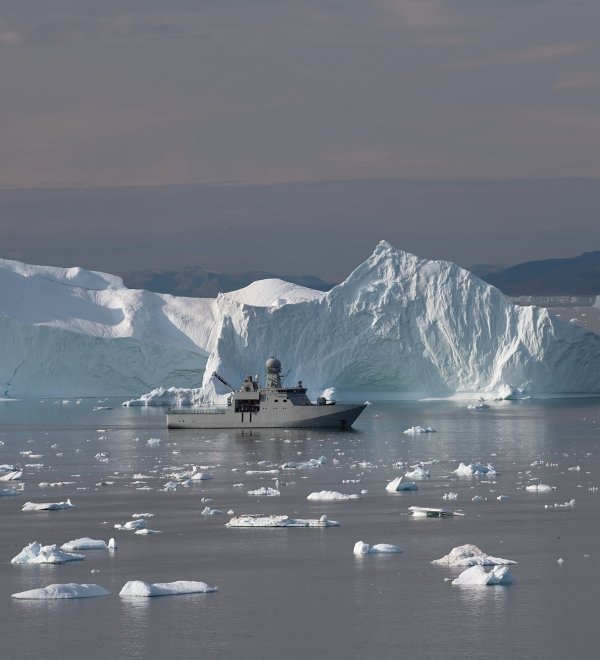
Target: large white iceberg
<point x="69" y="590"/>
<point x="477" y="576"/>
<point x="36" y="553"/>
<point x="76" y="332"/>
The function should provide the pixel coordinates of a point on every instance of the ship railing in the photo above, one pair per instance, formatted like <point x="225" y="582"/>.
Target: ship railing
<point x="212" y="410"/>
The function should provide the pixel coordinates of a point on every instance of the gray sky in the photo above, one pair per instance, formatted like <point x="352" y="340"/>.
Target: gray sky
<point x="270" y="93"/>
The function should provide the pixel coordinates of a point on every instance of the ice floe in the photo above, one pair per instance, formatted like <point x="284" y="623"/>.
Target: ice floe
<point x="47" y="506"/>
<point x="414" y="430"/>
<point x="258" y="520"/>
<point x="265" y="491"/>
<point x="311" y="463"/>
<point x="7" y="492"/>
<point x="68" y="590"/>
<point x="15" y="475"/>
<point x="431" y="512"/>
<point x="418" y="472"/>
<point x="399" y="484"/>
<point x="146" y="589"/>
<point x="362" y="548"/>
<point x="330" y="496"/>
<point x="477" y="576"/>
<point x="36" y="553"/>
<point x="470" y="555"/>
<point x="85" y="543"/>
<point x="475" y="469"/>
<point x="539" y="488"/>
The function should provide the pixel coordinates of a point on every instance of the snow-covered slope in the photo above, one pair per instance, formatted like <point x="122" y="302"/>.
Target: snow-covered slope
<point x="399" y="324"/>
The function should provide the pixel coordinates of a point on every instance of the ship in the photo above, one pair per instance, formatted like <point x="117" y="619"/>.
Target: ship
<point x="272" y="406"/>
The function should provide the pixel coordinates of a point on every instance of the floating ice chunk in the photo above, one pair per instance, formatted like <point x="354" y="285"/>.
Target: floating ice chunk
<point x="262" y="471"/>
<point x="145" y="589"/>
<point x="419" y="472"/>
<point x="450" y="496"/>
<point x="503" y="498"/>
<point x="201" y="476"/>
<point x="477" y="576"/>
<point x="207" y="511"/>
<point x="560" y="560"/>
<point x="510" y="393"/>
<point x="142" y="515"/>
<point x="36" y="553"/>
<point x="69" y="590"/>
<point x="470" y="555"/>
<point x="413" y="430"/>
<point x="362" y="548"/>
<point x="478" y="498"/>
<point x="12" y="476"/>
<point x="7" y="492"/>
<point x="429" y="512"/>
<point x="539" y="488"/>
<point x="475" y="469"/>
<point x="138" y="523"/>
<point x="146" y="532"/>
<point x="398" y="484"/>
<point x="47" y="506"/>
<point x="84" y="543"/>
<point x="153" y="442"/>
<point x="330" y="496"/>
<point x="566" y="505"/>
<point x="311" y="463"/>
<point x="266" y="491"/>
<point x="258" y="520"/>
<point x="112" y="545"/>
<point x="480" y="405"/>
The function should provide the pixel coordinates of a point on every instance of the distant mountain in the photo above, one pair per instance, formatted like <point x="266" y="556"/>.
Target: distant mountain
<point x="195" y="282"/>
<point x="577" y="276"/>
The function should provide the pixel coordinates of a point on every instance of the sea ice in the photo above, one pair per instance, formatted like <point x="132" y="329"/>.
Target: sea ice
<point x="362" y="548"/>
<point x="144" y="589"/>
<point x="539" y="488"/>
<point x="259" y="520"/>
<point x="470" y="555"/>
<point x="475" y="469"/>
<point x="69" y="590"/>
<point x="399" y="484"/>
<point x="305" y="465"/>
<point x="266" y="491"/>
<point x="430" y="512"/>
<point x="477" y="576"/>
<point x="84" y="543"/>
<point x="36" y="553"/>
<point x="12" y="476"/>
<point x="414" y="430"/>
<point x="330" y="496"/>
<point x="47" y="506"/>
<point x="7" y="492"/>
<point x="418" y="472"/>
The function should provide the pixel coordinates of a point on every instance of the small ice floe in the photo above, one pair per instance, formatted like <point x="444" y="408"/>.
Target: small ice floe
<point x="258" y="520"/>
<point x="475" y="469"/>
<point x="574" y="468"/>
<point x="450" y="496"/>
<point x="146" y="589"/>
<point x="560" y="560"/>
<point x="47" y="506"/>
<point x="36" y="553"/>
<point x="414" y="430"/>
<point x="201" y="476"/>
<point x="470" y="555"/>
<point x="480" y="405"/>
<point x="566" y="505"/>
<point x="207" y="511"/>
<point x="362" y="548"/>
<point x="503" y="498"/>
<point x="539" y="488"/>
<point x="430" y="512"/>
<point x="477" y="576"/>
<point x="132" y="525"/>
<point x="418" y="472"/>
<point x="85" y="543"/>
<point x="330" y="496"/>
<point x="7" y="492"/>
<point x="142" y="515"/>
<point x="153" y="442"/>
<point x="265" y="491"/>
<point x="306" y="465"/>
<point x="96" y="408"/>
<point x="146" y="532"/>
<point x="15" y="475"/>
<point x="479" y="498"/>
<point x="69" y="590"/>
<point x="262" y="472"/>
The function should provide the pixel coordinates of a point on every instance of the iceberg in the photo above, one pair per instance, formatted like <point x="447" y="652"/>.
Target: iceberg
<point x="470" y="555"/>
<point x="146" y="589"/>
<point x="362" y="548"/>
<point x="475" y="469"/>
<point x="36" y="553"/>
<point x="259" y="520"/>
<point x="69" y="590"/>
<point x="70" y="332"/>
<point x="477" y="576"/>
<point x="47" y="506"/>
<point x="85" y="543"/>
<point x="330" y="496"/>
<point x="398" y="484"/>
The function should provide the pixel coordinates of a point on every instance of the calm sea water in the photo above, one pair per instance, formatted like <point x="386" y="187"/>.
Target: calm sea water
<point x="301" y="593"/>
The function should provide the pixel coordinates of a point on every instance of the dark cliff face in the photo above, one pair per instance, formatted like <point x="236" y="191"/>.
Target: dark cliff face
<point x="577" y="276"/>
<point x="195" y="282"/>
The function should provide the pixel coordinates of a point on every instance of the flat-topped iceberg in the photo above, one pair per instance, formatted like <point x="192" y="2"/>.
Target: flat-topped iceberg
<point x="179" y="587"/>
<point x="470" y="555"/>
<point x="36" y="553"/>
<point x="68" y="590"/>
<point x="258" y="520"/>
<point x="477" y="576"/>
<point x="331" y="496"/>
<point x="86" y="543"/>
<point x="47" y="506"/>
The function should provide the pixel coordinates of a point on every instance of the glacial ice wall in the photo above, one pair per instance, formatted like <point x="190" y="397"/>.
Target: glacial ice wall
<point x="398" y="325"/>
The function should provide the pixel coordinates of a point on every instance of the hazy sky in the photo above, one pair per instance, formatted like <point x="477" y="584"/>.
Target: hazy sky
<point x="268" y="93"/>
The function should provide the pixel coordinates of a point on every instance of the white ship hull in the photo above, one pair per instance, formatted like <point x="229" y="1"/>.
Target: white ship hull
<point x="340" y="416"/>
